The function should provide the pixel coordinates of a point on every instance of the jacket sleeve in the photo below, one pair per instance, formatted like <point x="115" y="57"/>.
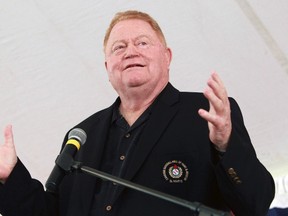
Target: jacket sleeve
<point x="22" y="195"/>
<point x="246" y="185"/>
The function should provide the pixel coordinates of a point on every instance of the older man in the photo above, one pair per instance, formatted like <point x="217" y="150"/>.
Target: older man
<point x="191" y="145"/>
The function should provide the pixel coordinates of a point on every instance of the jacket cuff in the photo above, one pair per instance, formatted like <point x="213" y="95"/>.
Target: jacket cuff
<point x="15" y="184"/>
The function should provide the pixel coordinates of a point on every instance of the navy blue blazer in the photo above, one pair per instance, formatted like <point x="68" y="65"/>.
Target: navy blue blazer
<point x="174" y="155"/>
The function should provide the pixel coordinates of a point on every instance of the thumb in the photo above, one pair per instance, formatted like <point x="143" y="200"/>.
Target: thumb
<point x="8" y="135"/>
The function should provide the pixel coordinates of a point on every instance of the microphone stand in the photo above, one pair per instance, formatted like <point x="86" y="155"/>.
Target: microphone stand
<point x="197" y="207"/>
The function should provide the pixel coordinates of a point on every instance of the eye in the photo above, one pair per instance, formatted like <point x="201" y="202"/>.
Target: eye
<point x="118" y="48"/>
<point x="142" y="43"/>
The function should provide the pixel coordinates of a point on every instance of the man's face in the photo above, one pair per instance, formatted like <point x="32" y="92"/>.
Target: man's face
<point x="136" y="57"/>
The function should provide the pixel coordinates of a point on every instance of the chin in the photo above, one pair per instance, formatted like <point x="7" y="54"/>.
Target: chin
<point x="135" y="83"/>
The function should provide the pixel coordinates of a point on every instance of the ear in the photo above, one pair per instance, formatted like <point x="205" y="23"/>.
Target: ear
<point x="107" y="69"/>
<point x="168" y="56"/>
<point x="106" y="65"/>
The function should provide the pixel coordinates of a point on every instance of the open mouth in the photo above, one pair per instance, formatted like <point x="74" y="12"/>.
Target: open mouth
<point x="133" y="65"/>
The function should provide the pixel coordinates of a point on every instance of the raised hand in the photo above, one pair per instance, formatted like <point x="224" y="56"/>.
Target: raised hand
<point x="219" y="114"/>
<point x="8" y="157"/>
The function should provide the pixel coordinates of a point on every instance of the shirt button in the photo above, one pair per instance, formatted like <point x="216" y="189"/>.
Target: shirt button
<point x="127" y="135"/>
<point x="108" y="208"/>
<point x="122" y="157"/>
<point x="232" y="172"/>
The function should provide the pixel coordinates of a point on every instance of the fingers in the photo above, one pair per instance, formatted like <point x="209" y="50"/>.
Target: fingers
<point x="218" y="116"/>
<point x="207" y="116"/>
<point x="216" y="93"/>
<point x="217" y="85"/>
<point x="8" y="135"/>
<point x="8" y="157"/>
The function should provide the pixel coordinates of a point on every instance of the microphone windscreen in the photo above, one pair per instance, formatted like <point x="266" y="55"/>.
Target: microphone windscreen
<point x="78" y="134"/>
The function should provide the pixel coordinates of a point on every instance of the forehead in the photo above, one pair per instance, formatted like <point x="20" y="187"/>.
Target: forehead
<point x="132" y="28"/>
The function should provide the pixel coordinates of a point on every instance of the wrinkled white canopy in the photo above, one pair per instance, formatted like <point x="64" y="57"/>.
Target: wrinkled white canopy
<point x="53" y="75"/>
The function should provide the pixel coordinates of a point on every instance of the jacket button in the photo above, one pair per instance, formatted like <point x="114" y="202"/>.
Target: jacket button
<point x="237" y="180"/>
<point x="231" y="171"/>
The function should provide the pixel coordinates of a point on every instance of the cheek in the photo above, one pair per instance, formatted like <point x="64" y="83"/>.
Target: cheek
<point x="159" y="61"/>
<point x="113" y="71"/>
<point x="112" y="65"/>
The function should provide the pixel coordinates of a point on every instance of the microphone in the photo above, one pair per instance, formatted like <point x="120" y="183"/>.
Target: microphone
<point x="64" y="160"/>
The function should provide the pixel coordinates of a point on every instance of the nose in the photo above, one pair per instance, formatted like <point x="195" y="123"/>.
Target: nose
<point x="131" y="51"/>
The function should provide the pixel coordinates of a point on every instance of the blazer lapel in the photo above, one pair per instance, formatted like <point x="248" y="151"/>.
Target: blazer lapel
<point x="162" y="113"/>
<point x="96" y="129"/>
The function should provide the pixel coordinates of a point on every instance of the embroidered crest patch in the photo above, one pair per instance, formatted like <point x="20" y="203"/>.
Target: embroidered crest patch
<point x="175" y="171"/>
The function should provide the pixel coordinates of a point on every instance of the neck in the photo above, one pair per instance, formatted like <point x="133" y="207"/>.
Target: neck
<point x="133" y="113"/>
<point x="134" y="104"/>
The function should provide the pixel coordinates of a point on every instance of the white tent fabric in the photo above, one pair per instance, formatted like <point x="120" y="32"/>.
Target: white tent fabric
<point x="53" y="75"/>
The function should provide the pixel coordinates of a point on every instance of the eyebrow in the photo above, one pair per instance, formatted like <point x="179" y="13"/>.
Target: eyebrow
<point x="137" y="38"/>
